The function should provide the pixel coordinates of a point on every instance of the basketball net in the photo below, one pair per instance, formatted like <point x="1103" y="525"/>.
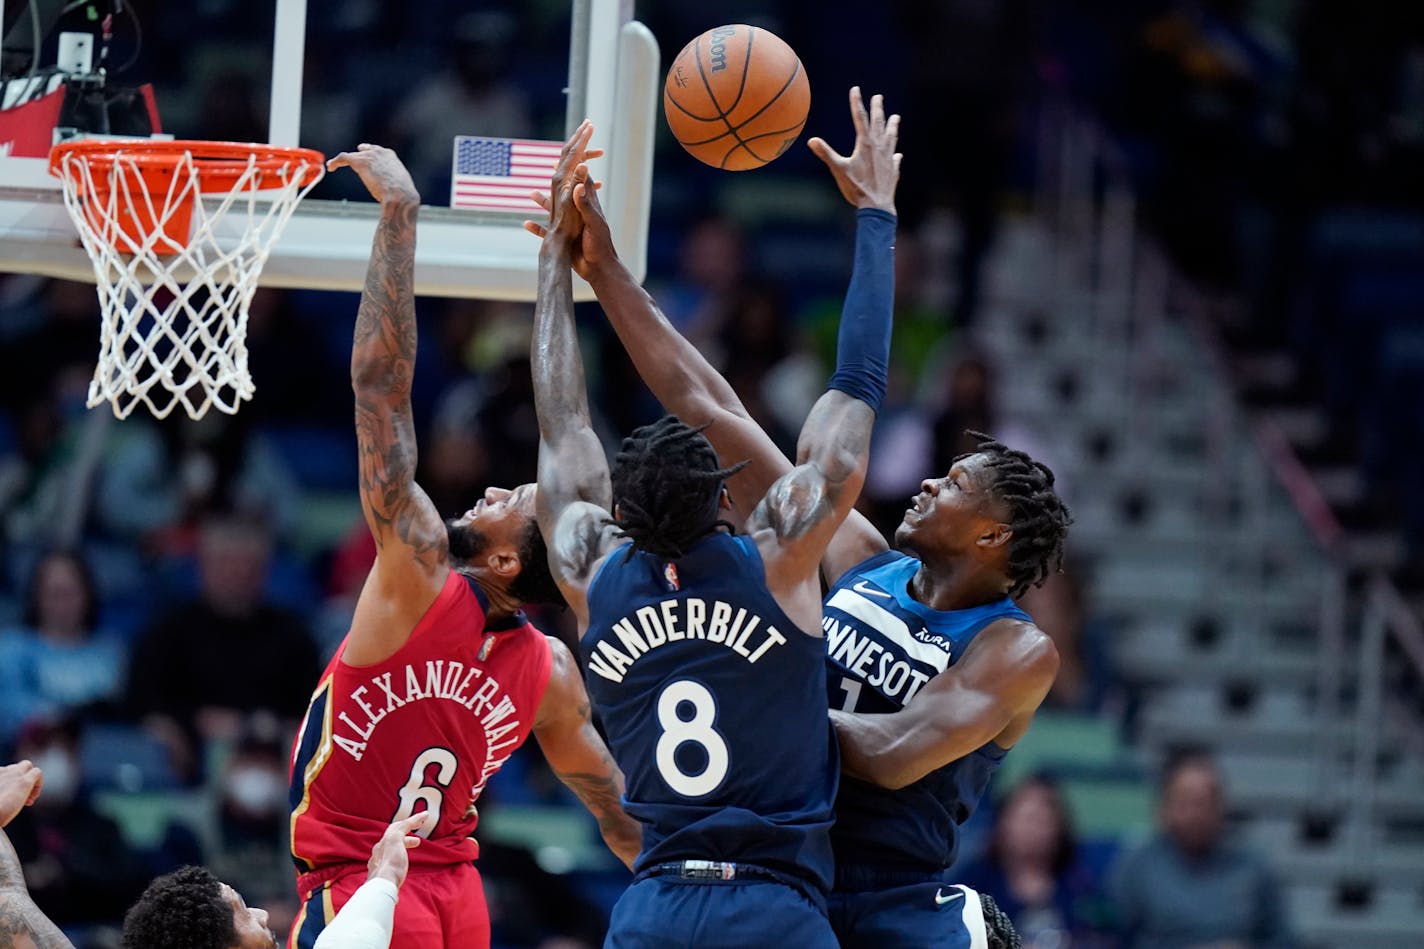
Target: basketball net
<point x="178" y="233"/>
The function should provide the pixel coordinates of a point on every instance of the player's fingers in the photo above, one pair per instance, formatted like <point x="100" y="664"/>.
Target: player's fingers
<point x="898" y="156"/>
<point x="535" y="229"/>
<point x="540" y="198"/>
<point x="342" y="160"/>
<point x="581" y="137"/>
<point x="35" y="788"/>
<point x="586" y="199"/>
<point x="857" y="111"/>
<point x="412" y="842"/>
<point x="823" y="151"/>
<point x="593" y="153"/>
<point x="892" y="130"/>
<point x="877" y="112"/>
<point x="414" y="822"/>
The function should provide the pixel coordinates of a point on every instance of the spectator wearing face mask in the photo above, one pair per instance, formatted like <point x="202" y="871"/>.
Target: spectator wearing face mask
<point x="77" y="865"/>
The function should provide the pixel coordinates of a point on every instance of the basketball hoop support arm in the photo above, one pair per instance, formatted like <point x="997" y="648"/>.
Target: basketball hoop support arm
<point x="288" y="52"/>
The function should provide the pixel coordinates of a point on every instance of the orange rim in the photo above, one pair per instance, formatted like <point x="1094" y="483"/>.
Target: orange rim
<point x="218" y="164"/>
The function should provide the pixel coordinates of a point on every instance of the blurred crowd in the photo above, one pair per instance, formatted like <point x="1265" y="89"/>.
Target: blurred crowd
<point x="171" y="590"/>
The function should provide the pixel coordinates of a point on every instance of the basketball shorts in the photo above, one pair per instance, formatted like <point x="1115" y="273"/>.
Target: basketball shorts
<point x="670" y="911"/>
<point x="437" y="908"/>
<point x="871" y="909"/>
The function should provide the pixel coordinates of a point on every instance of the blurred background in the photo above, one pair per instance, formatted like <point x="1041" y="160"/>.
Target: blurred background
<point x="1173" y="249"/>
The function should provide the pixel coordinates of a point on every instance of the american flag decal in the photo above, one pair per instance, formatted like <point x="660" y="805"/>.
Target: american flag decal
<point x="497" y="174"/>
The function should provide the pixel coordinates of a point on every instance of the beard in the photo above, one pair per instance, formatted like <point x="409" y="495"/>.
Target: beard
<point x="466" y="543"/>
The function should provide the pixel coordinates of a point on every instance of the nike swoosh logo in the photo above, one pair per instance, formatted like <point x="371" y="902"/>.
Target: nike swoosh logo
<point x="862" y="588"/>
<point x="941" y="899"/>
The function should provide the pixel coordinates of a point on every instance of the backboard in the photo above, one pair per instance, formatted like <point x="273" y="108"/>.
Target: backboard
<point x="366" y="69"/>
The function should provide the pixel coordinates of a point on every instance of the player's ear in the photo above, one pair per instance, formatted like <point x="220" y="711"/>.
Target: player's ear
<point x="995" y="535"/>
<point x="617" y="513"/>
<point x="503" y="561"/>
<point x="724" y="500"/>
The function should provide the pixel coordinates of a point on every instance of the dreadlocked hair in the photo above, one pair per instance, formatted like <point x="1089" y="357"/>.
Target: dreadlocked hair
<point x="997" y="925"/>
<point x="667" y="482"/>
<point x="1037" y="516"/>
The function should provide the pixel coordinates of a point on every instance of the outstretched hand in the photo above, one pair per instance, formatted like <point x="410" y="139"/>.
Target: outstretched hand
<point x="867" y="177"/>
<point x="570" y="176"/>
<point x="20" y="785"/>
<point x="381" y="172"/>
<point x="594" y="245"/>
<point x="574" y="211"/>
<point x="389" y="860"/>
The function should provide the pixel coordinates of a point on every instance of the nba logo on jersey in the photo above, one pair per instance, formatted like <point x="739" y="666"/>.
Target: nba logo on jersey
<point x="670" y="574"/>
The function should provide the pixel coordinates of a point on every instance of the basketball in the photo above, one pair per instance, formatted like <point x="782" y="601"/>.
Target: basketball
<point x="736" y="97"/>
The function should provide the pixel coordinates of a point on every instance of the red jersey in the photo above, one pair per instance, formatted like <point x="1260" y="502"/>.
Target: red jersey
<point x="423" y="730"/>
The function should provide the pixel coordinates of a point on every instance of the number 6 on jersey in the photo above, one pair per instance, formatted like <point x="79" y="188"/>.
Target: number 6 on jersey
<point x="698" y="729"/>
<point x="416" y="790"/>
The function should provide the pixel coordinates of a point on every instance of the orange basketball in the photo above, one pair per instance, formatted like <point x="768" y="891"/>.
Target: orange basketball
<point x="736" y="97"/>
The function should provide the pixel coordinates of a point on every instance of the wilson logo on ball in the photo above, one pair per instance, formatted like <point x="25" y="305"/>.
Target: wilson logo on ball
<point x="736" y="97"/>
<point x="718" y="46"/>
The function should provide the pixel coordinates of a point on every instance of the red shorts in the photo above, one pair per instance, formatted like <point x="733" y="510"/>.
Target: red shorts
<point x="438" y="909"/>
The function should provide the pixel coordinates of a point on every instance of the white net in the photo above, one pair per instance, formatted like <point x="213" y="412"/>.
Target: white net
<point x="174" y="301"/>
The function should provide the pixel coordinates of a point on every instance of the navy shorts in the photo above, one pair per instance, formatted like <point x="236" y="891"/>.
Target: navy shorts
<point x="871" y="909"/>
<point x="672" y="912"/>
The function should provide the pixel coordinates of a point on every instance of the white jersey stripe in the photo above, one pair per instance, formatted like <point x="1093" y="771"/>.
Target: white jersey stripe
<point x="890" y="626"/>
<point x="974" y="919"/>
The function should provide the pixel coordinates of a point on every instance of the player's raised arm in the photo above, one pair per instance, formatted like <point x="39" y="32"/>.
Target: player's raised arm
<point x="574" y="491"/>
<point x="1002" y="677"/>
<point x="412" y="555"/>
<point x="578" y="756"/>
<point x="22" y="925"/>
<point x="681" y="377"/>
<point x="804" y="508"/>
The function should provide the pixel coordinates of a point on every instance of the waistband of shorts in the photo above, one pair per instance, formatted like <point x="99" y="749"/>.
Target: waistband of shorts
<point x="859" y="878"/>
<point x="309" y="883"/>
<point x="718" y="871"/>
<point x="313" y="880"/>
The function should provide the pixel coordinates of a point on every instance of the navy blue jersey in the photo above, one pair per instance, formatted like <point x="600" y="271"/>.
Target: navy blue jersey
<point x="714" y="707"/>
<point x="882" y="646"/>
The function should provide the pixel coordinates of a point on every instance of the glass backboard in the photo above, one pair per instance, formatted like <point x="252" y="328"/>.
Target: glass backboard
<point x="328" y="77"/>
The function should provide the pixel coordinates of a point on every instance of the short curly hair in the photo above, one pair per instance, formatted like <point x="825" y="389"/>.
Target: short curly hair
<point x="183" y="910"/>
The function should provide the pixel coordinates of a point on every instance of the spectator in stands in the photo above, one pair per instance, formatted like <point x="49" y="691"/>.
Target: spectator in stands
<point x="77" y="865"/>
<point x="226" y="654"/>
<point x="1188" y="888"/>
<point x="1033" y="869"/>
<point x="59" y="659"/>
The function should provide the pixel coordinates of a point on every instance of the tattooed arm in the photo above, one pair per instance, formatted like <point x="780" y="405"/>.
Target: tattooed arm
<point x="798" y="517"/>
<point x="22" y="925"/>
<point x="575" y="496"/>
<point x="579" y="757"/>
<point x="412" y="554"/>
